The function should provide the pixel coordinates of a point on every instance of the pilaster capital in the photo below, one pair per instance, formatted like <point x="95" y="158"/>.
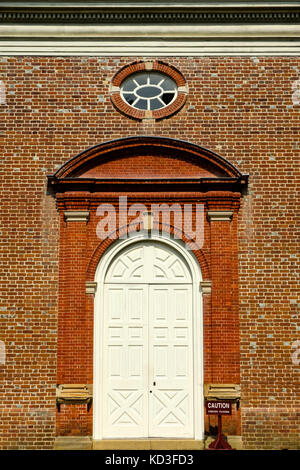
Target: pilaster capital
<point x="205" y="287"/>
<point x="215" y="216"/>
<point x="76" y="216"/>
<point x="90" y="287"/>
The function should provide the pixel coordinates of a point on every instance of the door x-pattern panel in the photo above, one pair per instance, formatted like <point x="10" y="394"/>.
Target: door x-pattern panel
<point x="148" y="353"/>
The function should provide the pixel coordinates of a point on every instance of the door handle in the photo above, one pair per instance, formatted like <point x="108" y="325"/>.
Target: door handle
<point x="154" y="383"/>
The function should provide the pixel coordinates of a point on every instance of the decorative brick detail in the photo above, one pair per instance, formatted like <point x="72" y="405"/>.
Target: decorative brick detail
<point x="127" y="70"/>
<point x="171" y="71"/>
<point x="124" y="108"/>
<point x="140" y="66"/>
<point x="155" y="147"/>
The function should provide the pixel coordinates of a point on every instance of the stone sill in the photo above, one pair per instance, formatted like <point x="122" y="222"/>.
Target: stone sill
<point x="87" y="443"/>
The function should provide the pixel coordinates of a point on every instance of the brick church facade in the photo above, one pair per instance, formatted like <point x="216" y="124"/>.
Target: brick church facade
<point x="118" y="319"/>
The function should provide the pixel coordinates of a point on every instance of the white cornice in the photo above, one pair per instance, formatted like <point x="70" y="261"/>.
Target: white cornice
<point x="139" y="28"/>
<point x="122" y="13"/>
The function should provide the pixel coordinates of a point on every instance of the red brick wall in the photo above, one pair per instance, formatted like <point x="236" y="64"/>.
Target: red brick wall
<point x="239" y="107"/>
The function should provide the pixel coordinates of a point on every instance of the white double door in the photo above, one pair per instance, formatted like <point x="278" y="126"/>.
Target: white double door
<point x="147" y="381"/>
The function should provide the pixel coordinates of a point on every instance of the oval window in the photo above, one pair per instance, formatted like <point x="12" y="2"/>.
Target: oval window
<point x="148" y="90"/>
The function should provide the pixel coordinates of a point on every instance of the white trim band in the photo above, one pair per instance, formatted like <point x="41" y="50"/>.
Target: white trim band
<point x="151" y="30"/>
<point x="150" y="48"/>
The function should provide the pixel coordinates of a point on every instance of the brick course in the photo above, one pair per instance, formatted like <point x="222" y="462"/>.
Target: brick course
<point x="239" y="107"/>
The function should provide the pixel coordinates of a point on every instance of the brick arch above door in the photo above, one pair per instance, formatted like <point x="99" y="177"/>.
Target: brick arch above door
<point x="149" y="160"/>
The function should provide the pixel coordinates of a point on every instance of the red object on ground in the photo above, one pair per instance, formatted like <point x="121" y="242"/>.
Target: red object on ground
<point x="219" y="443"/>
<point x="220" y="408"/>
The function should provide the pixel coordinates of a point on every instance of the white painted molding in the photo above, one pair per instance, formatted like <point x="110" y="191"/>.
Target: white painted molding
<point x="205" y="287"/>
<point x="214" y="216"/>
<point x="150" y="30"/>
<point x="76" y="216"/>
<point x="164" y="47"/>
<point x="90" y="287"/>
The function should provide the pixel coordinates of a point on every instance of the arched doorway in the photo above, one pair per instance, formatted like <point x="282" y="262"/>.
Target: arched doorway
<point x="148" y="342"/>
<point x="149" y="171"/>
